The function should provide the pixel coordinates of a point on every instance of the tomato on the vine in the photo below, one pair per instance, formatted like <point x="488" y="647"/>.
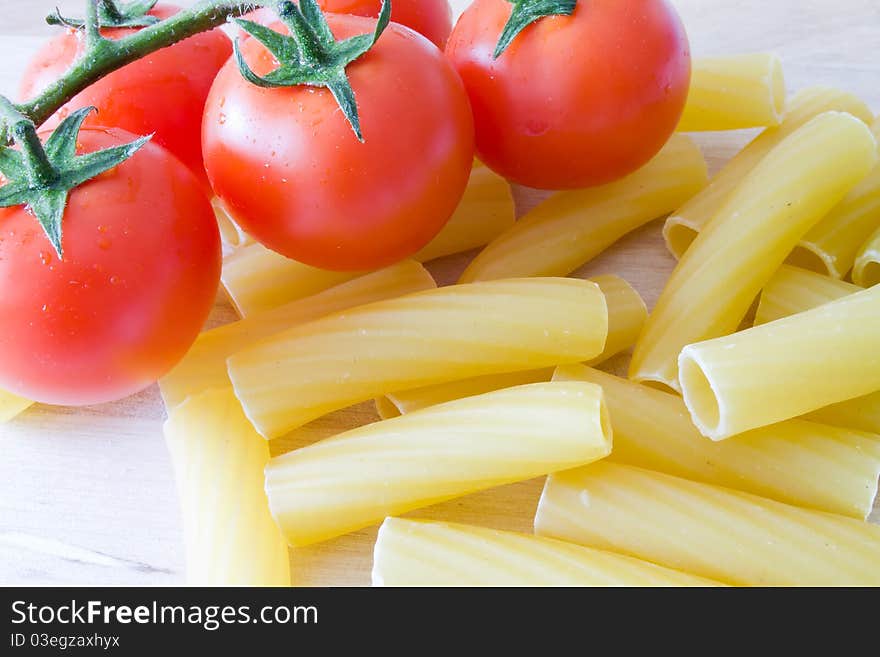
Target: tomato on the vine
<point x="163" y="93"/>
<point x="138" y="278"/>
<point x="291" y="170"/>
<point x="430" y="18"/>
<point x="574" y="100"/>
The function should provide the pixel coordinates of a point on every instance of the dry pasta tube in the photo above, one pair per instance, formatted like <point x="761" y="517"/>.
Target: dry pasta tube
<point x="204" y="366"/>
<point x="230" y="232"/>
<point x="683" y="225"/>
<point x="486" y="210"/>
<point x="359" y="477"/>
<point x="218" y="459"/>
<point x="572" y="227"/>
<point x="257" y="279"/>
<point x="798" y="462"/>
<point x="832" y="245"/>
<point x="421" y="339"/>
<point x="12" y="405"/>
<point x="718" y="278"/>
<point x="626" y="316"/>
<point x="861" y="413"/>
<point x="733" y="92"/>
<point x="794" y="290"/>
<point x="420" y="553"/>
<point x="784" y="368"/>
<point x="726" y="535"/>
<point x="866" y="271"/>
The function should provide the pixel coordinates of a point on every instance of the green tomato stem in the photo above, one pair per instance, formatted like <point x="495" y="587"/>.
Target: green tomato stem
<point x="107" y="56"/>
<point x="40" y="170"/>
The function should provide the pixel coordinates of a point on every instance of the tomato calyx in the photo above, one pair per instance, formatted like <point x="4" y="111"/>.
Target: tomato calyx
<point x="526" y="12"/>
<point x="40" y="177"/>
<point x="112" y="14"/>
<point x="311" y="55"/>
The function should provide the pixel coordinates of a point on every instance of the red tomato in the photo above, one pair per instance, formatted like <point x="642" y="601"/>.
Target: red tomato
<point x="290" y="169"/>
<point x="163" y="93"/>
<point x="576" y="100"/>
<point x="139" y="277"/>
<point x="430" y="18"/>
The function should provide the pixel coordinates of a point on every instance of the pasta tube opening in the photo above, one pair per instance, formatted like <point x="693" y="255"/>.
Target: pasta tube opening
<point x="809" y="256"/>
<point x="870" y="273"/>
<point x="231" y="233"/>
<point x="699" y="396"/>
<point x="679" y="235"/>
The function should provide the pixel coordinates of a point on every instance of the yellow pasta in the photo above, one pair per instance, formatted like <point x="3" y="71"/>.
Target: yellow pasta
<point x="420" y="553"/>
<point x="218" y="459"/>
<point x="794" y="290"/>
<point x="12" y="405"/>
<point x="407" y="401"/>
<point x="204" y="366"/>
<point x="359" y="477"/>
<point x="682" y="227"/>
<point x="861" y="413"/>
<point x="257" y="279"/>
<point x="832" y="245"/>
<point x="714" y="532"/>
<point x="626" y="316"/>
<point x="866" y="270"/>
<point x="733" y="92"/>
<point x="718" y="278"/>
<point x="572" y="227"/>
<point x="798" y="462"/>
<point x="486" y="210"/>
<point x="230" y="232"/>
<point x="421" y="339"/>
<point x="784" y="368"/>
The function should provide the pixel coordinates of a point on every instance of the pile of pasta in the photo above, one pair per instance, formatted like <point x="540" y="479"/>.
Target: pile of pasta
<point x="743" y="448"/>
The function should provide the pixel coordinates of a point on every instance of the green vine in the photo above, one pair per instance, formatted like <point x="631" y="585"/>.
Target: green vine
<point x="41" y="176"/>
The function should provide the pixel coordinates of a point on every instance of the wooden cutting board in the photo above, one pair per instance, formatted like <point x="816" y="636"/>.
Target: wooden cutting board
<point x="87" y="495"/>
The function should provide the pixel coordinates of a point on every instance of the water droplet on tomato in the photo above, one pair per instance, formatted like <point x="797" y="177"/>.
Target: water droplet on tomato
<point x="114" y="280"/>
<point x="104" y="244"/>
<point x="45" y="258"/>
<point x="221" y="119"/>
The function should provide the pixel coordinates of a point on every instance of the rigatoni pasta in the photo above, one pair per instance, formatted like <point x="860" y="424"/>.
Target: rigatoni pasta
<point x="784" y="368"/>
<point x="420" y="553"/>
<point x="407" y="401"/>
<point x="12" y="405"/>
<point x="794" y="290"/>
<point x="714" y="532"/>
<point x="803" y="463"/>
<point x="861" y="413"/>
<point x="386" y="468"/>
<point x="257" y="279"/>
<point x="832" y="245"/>
<point x="204" y="366"/>
<point x="486" y="210"/>
<point x="626" y="316"/>
<point x="866" y="270"/>
<point x="719" y="276"/>
<point x="451" y="333"/>
<point x="734" y="91"/>
<point x="230" y="232"/>
<point x="572" y="227"/>
<point x="218" y="459"/>
<point x="683" y="225"/>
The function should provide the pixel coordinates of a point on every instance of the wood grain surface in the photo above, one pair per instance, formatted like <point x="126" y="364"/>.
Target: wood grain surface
<point x="87" y="495"/>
